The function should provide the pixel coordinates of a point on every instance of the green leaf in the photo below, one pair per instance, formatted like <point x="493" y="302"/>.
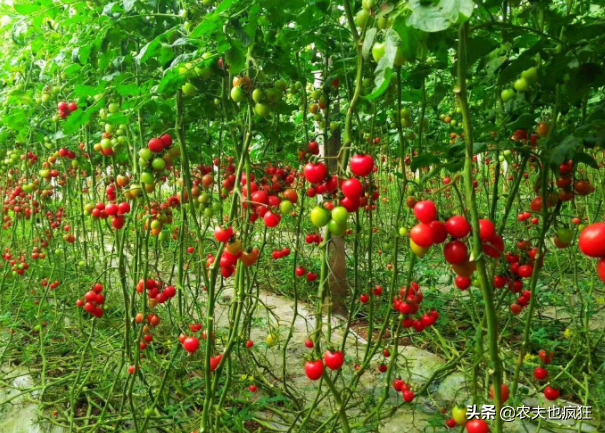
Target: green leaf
<point x="81" y="117"/>
<point x="479" y="47"/>
<point x="128" y="89"/>
<point x="17" y="120"/>
<point x="150" y="49"/>
<point x="19" y="97"/>
<point x="368" y="42"/>
<point x="26" y="8"/>
<point x="212" y="22"/>
<point x="408" y="36"/>
<point x="384" y="70"/>
<point x="524" y="61"/>
<point x="223" y="6"/>
<point x="128" y="4"/>
<point x="83" y="91"/>
<point x="586" y="159"/>
<point x="423" y="160"/>
<point x="438" y="15"/>
<point x="524" y="121"/>
<point x="236" y="59"/>
<point x="479" y="148"/>
<point x="564" y="150"/>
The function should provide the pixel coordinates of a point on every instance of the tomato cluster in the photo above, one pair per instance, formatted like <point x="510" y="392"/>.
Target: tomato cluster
<point x="66" y="109"/>
<point x="156" y="291"/>
<point x="94" y="301"/>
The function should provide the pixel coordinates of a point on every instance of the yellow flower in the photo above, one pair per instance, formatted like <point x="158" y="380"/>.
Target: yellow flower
<point x="529" y="357"/>
<point x="567" y="333"/>
<point x="243" y="377"/>
<point x="600" y="300"/>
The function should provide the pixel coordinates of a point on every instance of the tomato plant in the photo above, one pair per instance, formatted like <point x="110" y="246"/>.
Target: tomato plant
<point x="225" y="208"/>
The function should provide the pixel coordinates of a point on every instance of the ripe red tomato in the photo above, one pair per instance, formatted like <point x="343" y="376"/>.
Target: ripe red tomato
<point x="361" y="165"/>
<point x="525" y="271"/>
<point x="540" y="373"/>
<point x="223" y="235"/>
<point x="398" y="385"/>
<point x="592" y="240"/>
<point x="439" y="231"/>
<point x="408" y="396"/>
<point x="166" y="140"/>
<point x="494" y="247"/>
<point x="499" y="281"/>
<point x="352" y="188"/>
<point x="477" y="426"/>
<point x="582" y="187"/>
<point x="545" y="357"/>
<point x="536" y="204"/>
<point x="191" y="344"/>
<point x="551" y="394"/>
<point x="463" y="283"/>
<point x="315" y="173"/>
<point x="422" y="235"/>
<point x="271" y="219"/>
<point x="504" y="392"/>
<point x="487" y="230"/>
<point x="516" y="309"/>
<point x="155" y="145"/>
<point x="215" y="361"/>
<point x="314" y="369"/>
<point x="334" y="360"/>
<point x="425" y="211"/>
<point x="457" y="226"/>
<point x="455" y="252"/>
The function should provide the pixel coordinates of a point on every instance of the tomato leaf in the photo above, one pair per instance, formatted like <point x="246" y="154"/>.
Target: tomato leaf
<point x="424" y="160"/>
<point x="408" y="36"/>
<point x="368" y="42"/>
<point x="585" y="158"/>
<point x="564" y="150"/>
<point x="384" y="70"/>
<point x="510" y="70"/>
<point x="524" y="121"/>
<point x="438" y="15"/>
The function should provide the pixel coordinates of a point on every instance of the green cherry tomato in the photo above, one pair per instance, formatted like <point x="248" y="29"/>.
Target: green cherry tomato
<point x="340" y="214"/>
<point x="320" y="216"/>
<point x="521" y="85"/>
<point x="459" y="415"/>
<point x="531" y="75"/>
<point x="188" y="89"/>
<point x="565" y="235"/>
<point x="507" y="95"/>
<point x="258" y="95"/>
<point x="286" y="207"/>
<point x="262" y="109"/>
<point x="336" y="228"/>
<point x="378" y="51"/>
<point x="238" y="94"/>
<point x="158" y="164"/>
